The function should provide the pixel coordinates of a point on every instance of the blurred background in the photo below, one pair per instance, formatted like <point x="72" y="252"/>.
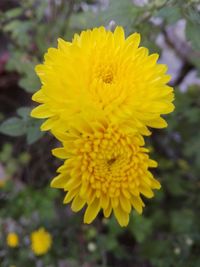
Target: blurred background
<point x="168" y="233"/>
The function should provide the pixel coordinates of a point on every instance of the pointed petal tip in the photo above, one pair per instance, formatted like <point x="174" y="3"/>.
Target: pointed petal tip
<point x="52" y="184"/>
<point x="32" y="113"/>
<point x="44" y="127"/>
<point x="92" y="211"/>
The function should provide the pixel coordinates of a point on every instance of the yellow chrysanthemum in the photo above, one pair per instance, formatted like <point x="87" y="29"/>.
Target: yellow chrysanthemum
<point x="12" y="240"/>
<point x="106" y="169"/>
<point x="41" y="241"/>
<point x="2" y="183"/>
<point x="103" y="72"/>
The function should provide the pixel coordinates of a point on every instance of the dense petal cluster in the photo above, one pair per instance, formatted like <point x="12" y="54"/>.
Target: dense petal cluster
<point x="103" y="72"/>
<point x="105" y="169"/>
<point x="41" y="241"/>
<point x="12" y="240"/>
<point x="100" y="93"/>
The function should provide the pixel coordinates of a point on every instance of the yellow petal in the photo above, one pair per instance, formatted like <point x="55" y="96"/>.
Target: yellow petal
<point x="125" y="204"/>
<point x="60" y="153"/>
<point x="39" y="97"/>
<point x="126" y="193"/>
<point x="152" y="59"/>
<point x="137" y="204"/>
<point x="62" y="45"/>
<point x="92" y="211"/>
<point x="77" y="203"/>
<point x="59" y="181"/>
<point x="62" y="168"/>
<point x="104" y="201"/>
<point x="72" y="183"/>
<point x="158" y="123"/>
<point x="121" y="216"/>
<point x="114" y="202"/>
<point x="48" y="124"/>
<point x="107" y="211"/>
<point x="152" y="163"/>
<point x="146" y="191"/>
<point x="158" y="107"/>
<point x="41" y="112"/>
<point x="119" y="35"/>
<point x="155" y="184"/>
<point x="134" y="40"/>
<point x="70" y="195"/>
<point x="84" y="188"/>
<point x="40" y="69"/>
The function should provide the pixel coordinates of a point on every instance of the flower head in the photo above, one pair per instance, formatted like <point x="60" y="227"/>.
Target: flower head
<point x="12" y="240"/>
<point x="106" y="169"/>
<point x="2" y="183"/>
<point x="41" y="241"/>
<point x="103" y="72"/>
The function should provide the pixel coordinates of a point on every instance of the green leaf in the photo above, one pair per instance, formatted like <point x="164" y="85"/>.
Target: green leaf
<point x="24" y="112"/>
<point x="124" y="13"/>
<point x="176" y="186"/>
<point x="33" y="131"/>
<point x="155" y="250"/>
<point x="12" y="13"/>
<point x="12" y="26"/>
<point x="141" y="227"/>
<point x="19" y="31"/>
<point x="24" y="125"/>
<point x="30" y="82"/>
<point x="6" y="152"/>
<point x="182" y="221"/>
<point x="192" y="34"/>
<point x="170" y="14"/>
<point x="13" y="127"/>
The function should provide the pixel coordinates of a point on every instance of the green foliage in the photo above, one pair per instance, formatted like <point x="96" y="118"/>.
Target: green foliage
<point x="10" y="163"/>
<point x="24" y="124"/>
<point x="192" y="27"/>
<point x="25" y="67"/>
<point x="36" y="204"/>
<point x="169" y="14"/>
<point x="13" y="127"/>
<point x="192" y="32"/>
<point x="116" y="11"/>
<point x="141" y="227"/>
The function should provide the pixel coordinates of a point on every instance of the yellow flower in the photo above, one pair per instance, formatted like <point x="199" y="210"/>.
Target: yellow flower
<point x="12" y="240"/>
<point x="106" y="169"/>
<point x="3" y="177"/>
<point x="41" y="241"/>
<point x="2" y="183"/>
<point x="103" y="72"/>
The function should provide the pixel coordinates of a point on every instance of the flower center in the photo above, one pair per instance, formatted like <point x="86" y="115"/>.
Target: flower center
<point x="107" y="77"/>
<point x="105" y="73"/>
<point x="111" y="161"/>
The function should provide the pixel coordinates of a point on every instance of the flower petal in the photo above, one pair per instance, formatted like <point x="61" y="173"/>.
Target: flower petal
<point x="77" y="203"/>
<point x="92" y="211"/>
<point x="122" y="216"/>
